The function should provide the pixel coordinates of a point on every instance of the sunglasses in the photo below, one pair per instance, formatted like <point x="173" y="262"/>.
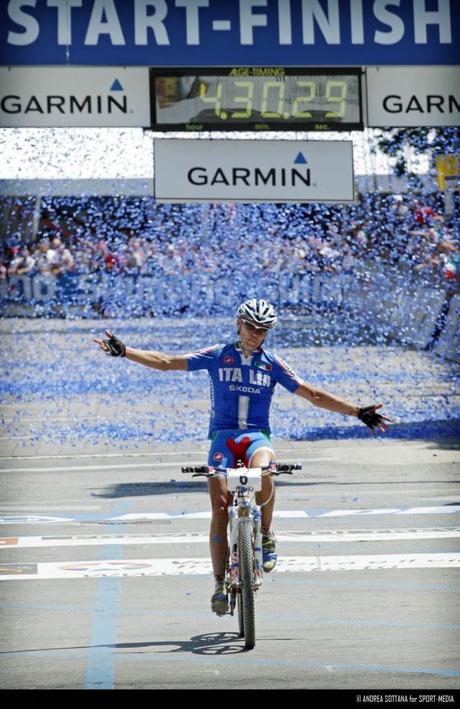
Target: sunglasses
<point x="254" y="328"/>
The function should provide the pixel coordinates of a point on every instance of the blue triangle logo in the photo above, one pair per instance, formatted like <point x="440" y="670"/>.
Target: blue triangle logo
<point x="300" y="159"/>
<point x="116" y="86"/>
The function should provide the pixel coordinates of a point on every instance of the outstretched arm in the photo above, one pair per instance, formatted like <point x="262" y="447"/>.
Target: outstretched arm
<point x="325" y="400"/>
<point x="157" y="360"/>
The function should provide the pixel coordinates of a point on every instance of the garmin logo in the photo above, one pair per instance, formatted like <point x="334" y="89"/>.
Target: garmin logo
<point x="252" y="176"/>
<point x="432" y="103"/>
<point x="57" y="103"/>
<point x="253" y="170"/>
<point x="63" y="104"/>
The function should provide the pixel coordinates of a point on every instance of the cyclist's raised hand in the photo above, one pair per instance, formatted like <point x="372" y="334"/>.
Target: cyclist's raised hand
<point x="373" y="420"/>
<point x="113" y="346"/>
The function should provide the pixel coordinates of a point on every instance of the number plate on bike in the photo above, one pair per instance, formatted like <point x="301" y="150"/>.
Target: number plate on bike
<point x="240" y="477"/>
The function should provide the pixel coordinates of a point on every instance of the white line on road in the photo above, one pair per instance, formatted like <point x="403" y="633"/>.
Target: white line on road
<point x="137" y="517"/>
<point x="199" y="566"/>
<point x="32" y="507"/>
<point x="334" y="537"/>
<point x="299" y="450"/>
<point x="296" y="514"/>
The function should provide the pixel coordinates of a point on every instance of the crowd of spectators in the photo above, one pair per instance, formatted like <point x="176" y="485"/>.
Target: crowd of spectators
<point x="135" y="235"/>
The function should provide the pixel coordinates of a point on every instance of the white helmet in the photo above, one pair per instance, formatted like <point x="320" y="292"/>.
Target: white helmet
<point x="258" y="312"/>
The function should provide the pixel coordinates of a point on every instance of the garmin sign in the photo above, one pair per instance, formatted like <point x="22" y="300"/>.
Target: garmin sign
<point x="253" y="171"/>
<point x="189" y="33"/>
<point x="411" y="96"/>
<point x="70" y="96"/>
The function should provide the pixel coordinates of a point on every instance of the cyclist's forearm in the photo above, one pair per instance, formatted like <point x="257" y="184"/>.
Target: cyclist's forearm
<point x="325" y="400"/>
<point x="156" y="360"/>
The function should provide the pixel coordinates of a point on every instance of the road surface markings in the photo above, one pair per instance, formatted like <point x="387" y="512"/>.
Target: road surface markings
<point x="297" y="450"/>
<point x="25" y="518"/>
<point x="151" y="466"/>
<point x="331" y="536"/>
<point x="45" y="507"/>
<point x="198" y="566"/>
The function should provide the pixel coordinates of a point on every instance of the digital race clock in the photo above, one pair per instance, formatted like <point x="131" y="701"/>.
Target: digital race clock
<point x="256" y="98"/>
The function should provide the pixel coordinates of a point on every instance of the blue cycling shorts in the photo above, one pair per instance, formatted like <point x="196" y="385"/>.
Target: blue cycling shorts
<point x="230" y="445"/>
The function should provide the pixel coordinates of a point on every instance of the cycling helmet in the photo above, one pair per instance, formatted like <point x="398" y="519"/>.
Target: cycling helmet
<point x="258" y="312"/>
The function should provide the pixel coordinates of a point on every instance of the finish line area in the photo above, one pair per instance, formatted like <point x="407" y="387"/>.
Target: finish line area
<point x="349" y="570"/>
<point x="230" y="222"/>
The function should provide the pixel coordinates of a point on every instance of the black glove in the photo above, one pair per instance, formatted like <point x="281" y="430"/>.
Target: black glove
<point x="115" y="347"/>
<point x="368" y="415"/>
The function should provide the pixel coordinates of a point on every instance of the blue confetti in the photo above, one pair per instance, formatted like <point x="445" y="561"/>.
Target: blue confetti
<point x="367" y="295"/>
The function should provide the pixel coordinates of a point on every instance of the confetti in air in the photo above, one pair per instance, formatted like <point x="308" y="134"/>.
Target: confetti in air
<point x="367" y="295"/>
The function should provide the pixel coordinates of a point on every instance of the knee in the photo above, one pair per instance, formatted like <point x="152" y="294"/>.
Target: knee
<point x="261" y="458"/>
<point x="219" y="509"/>
<point x="267" y="494"/>
<point x="268" y="484"/>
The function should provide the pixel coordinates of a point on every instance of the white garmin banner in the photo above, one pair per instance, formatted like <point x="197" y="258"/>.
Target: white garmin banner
<point x="253" y="171"/>
<point x="74" y="97"/>
<point x="413" y="96"/>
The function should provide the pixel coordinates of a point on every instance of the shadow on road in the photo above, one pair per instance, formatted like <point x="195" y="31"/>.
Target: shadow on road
<point x="208" y="644"/>
<point x="144" y="489"/>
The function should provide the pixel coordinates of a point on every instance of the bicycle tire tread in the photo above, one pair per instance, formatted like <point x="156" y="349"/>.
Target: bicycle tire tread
<point x="246" y="553"/>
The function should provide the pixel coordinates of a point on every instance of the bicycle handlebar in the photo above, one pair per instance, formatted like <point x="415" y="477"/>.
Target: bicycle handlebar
<point x="209" y="472"/>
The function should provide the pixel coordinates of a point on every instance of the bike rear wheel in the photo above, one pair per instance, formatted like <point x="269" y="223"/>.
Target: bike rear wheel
<point x="246" y="596"/>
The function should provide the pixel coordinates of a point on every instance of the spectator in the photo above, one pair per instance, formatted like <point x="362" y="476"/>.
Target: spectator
<point x="62" y="260"/>
<point x="137" y="258"/>
<point x="3" y="267"/>
<point x="130" y="236"/>
<point x="44" y="256"/>
<point x="22" y="263"/>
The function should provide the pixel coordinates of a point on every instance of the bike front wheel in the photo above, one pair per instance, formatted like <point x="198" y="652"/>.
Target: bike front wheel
<point x="246" y="610"/>
<point x="239" y="603"/>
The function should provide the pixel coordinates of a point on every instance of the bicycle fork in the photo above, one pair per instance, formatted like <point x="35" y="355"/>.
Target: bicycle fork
<point x="258" y="559"/>
<point x="233" y="582"/>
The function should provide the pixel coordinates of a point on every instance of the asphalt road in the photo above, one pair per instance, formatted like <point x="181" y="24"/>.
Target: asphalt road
<point x="105" y="578"/>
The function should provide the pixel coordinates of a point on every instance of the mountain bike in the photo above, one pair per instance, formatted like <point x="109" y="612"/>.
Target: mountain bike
<point x="244" y="569"/>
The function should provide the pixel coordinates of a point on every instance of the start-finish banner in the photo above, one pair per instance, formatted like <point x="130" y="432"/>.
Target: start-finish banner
<point x="185" y="33"/>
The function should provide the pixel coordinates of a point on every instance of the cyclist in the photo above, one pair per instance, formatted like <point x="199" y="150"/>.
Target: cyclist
<point x="243" y="375"/>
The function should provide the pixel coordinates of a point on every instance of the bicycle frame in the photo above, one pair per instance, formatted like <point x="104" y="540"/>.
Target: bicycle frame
<point x="244" y="484"/>
<point x="244" y="569"/>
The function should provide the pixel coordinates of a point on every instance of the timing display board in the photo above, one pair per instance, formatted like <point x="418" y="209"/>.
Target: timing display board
<point x="256" y="98"/>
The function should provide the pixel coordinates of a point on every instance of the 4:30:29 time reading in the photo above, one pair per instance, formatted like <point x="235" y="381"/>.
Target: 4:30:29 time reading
<point x="274" y="104"/>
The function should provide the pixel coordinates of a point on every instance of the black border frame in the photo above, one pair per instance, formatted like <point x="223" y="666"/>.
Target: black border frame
<point x="255" y="126"/>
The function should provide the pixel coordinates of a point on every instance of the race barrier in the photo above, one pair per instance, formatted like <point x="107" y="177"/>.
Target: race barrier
<point x="392" y="304"/>
<point x="448" y="343"/>
<point x="405" y="307"/>
<point x="131" y="295"/>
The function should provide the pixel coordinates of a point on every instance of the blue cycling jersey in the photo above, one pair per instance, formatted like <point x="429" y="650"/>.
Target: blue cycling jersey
<point x="242" y="388"/>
